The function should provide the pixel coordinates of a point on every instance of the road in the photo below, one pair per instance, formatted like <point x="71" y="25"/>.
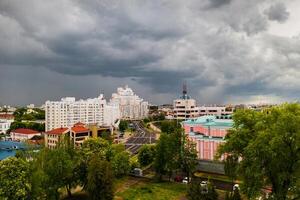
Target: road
<point x="140" y="137"/>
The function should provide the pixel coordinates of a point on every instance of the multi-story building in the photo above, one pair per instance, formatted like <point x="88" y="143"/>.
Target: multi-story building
<point x="208" y="132"/>
<point x="4" y="125"/>
<point x="77" y="134"/>
<point x="68" y="111"/>
<point x="215" y="110"/>
<point x="131" y="106"/>
<point x="185" y="107"/>
<point x="23" y="134"/>
<point x="53" y="137"/>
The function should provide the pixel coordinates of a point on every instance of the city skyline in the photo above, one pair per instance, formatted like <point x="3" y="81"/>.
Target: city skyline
<point x="228" y="51"/>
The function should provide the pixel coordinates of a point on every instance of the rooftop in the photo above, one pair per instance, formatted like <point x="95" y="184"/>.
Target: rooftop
<point x="24" y="131"/>
<point x="210" y="121"/>
<point x="58" y="131"/>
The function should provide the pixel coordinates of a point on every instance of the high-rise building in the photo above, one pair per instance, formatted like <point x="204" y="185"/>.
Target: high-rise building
<point x="68" y="111"/>
<point x="185" y="107"/>
<point x="131" y="106"/>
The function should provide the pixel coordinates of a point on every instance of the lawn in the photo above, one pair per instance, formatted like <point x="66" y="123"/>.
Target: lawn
<point x="152" y="190"/>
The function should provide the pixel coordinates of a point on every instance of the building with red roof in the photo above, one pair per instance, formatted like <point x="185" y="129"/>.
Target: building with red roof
<point x="79" y="133"/>
<point x="53" y="137"/>
<point x="23" y="134"/>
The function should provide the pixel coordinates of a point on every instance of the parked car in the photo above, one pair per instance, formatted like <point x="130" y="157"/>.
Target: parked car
<point x="178" y="179"/>
<point x="186" y="180"/>
<point x="236" y="186"/>
<point x="137" y="172"/>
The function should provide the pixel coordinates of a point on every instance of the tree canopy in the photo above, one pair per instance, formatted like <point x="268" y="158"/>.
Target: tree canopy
<point x="267" y="144"/>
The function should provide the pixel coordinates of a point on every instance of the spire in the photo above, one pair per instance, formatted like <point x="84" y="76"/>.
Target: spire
<point x="184" y="88"/>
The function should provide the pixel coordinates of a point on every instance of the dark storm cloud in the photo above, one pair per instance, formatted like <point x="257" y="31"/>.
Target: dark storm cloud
<point x="277" y="12"/>
<point x="220" y="47"/>
<point x="217" y="3"/>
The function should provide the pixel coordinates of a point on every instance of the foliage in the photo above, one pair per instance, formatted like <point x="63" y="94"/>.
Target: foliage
<point x="22" y="114"/>
<point x="14" y="179"/>
<point x="174" y="152"/>
<point x="146" y="155"/>
<point x="236" y="195"/>
<point x="169" y="126"/>
<point x="158" y="117"/>
<point x="268" y="144"/>
<point x="198" y="192"/>
<point x="100" y="179"/>
<point x="230" y="167"/>
<point x="123" y="125"/>
<point x="30" y="125"/>
<point x="121" y="164"/>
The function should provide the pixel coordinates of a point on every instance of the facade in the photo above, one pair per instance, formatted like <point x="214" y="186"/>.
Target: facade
<point x="185" y="107"/>
<point x="207" y="132"/>
<point x="23" y="134"/>
<point x="4" y="125"/>
<point x="68" y="111"/>
<point x="79" y="133"/>
<point x="131" y="106"/>
<point x="215" y="110"/>
<point x="53" y="137"/>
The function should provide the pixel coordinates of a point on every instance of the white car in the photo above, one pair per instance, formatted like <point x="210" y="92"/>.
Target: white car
<point x="186" y="180"/>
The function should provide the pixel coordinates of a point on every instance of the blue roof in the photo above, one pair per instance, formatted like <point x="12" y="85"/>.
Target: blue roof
<point x="210" y="120"/>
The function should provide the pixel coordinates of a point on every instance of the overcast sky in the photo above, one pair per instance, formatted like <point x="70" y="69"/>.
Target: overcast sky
<point x="228" y="51"/>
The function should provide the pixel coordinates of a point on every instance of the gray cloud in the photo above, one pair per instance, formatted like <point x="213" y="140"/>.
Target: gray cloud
<point x="277" y="12"/>
<point x="221" y="47"/>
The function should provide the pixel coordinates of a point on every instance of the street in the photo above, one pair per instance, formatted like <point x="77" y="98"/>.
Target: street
<point x="140" y="137"/>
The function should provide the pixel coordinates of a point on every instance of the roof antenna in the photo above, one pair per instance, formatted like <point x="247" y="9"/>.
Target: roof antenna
<point x="184" y="88"/>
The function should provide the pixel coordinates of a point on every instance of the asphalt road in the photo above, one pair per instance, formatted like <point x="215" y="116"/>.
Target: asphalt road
<point x="140" y="137"/>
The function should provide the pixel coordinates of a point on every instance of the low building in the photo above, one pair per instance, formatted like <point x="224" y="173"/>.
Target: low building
<point x="23" y="134"/>
<point x="53" y="137"/>
<point x="4" y="125"/>
<point x="208" y="132"/>
<point x="79" y="133"/>
<point x="215" y="110"/>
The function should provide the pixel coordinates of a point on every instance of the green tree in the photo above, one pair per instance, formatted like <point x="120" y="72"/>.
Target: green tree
<point x="169" y="127"/>
<point x="197" y="191"/>
<point x="123" y="125"/>
<point x="14" y="179"/>
<point x="230" y="168"/>
<point x="100" y="179"/>
<point x="146" y="155"/>
<point x="236" y="195"/>
<point x="90" y="147"/>
<point x="162" y="155"/>
<point x="268" y="144"/>
<point x="188" y="157"/>
<point x="121" y="164"/>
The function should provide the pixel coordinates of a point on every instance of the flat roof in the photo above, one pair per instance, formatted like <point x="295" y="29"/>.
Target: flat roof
<point x="210" y="121"/>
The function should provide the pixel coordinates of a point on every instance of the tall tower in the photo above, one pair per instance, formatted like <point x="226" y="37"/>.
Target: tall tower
<point x="184" y="88"/>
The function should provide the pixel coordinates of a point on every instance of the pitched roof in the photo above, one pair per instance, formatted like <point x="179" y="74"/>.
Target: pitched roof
<point x="79" y="129"/>
<point x="79" y="124"/>
<point x="57" y="131"/>
<point x="24" y="131"/>
<point x="6" y="116"/>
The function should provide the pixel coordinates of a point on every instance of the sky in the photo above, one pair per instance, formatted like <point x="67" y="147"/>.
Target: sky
<point x="227" y="51"/>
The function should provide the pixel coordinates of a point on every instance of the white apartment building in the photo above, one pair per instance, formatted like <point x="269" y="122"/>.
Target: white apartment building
<point x="4" y="125"/>
<point x="185" y="108"/>
<point x="68" y="111"/>
<point x="131" y="106"/>
<point x="215" y="110"/>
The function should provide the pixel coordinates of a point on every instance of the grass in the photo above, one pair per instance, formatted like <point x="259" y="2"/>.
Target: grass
<point x="152" y="190"/>
<point x="218" y="177"/>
